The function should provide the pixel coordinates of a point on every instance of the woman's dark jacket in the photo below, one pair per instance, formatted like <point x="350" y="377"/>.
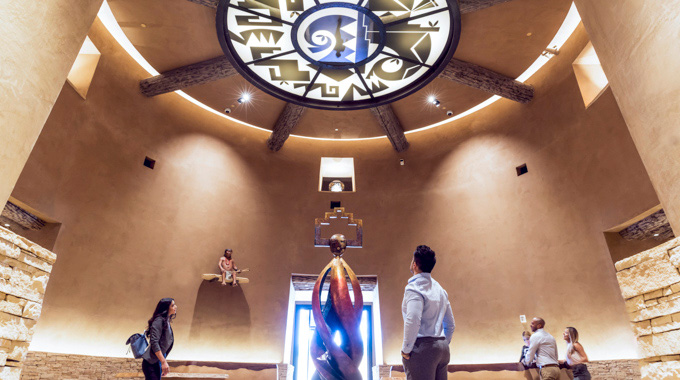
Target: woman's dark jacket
<point x="161" y="339"/>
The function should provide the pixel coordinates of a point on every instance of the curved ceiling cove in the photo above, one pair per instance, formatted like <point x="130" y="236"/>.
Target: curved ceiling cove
<point x="339" y="55"/>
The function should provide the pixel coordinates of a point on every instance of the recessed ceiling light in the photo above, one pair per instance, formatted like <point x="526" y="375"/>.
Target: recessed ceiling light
<point x="142" y="25"/>
<point x="433" y="100"/>
<point x="336" y="186"/>
<point x="336" y="129"/>
<point x="656" y="235"/>
<point x="6" y="224"/>
<point x="245" y="97"/>
<point x="529" y="34"/>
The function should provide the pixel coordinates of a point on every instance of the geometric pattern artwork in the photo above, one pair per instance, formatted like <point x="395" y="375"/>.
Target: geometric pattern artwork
<point x="338" y="212"/>
<point x="333" y="54"/>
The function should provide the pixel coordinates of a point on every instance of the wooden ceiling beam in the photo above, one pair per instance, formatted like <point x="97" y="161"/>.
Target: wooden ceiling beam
<point x="206" y="3"/>
<point x="288" y="119"/>
<point x="187" y="76"/>
<point x="468" y="6"/>
<point x="390" y="123"/>
<point x="484" y="79"/>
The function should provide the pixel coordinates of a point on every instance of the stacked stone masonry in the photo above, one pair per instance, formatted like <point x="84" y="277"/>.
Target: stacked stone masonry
<point x="24" y="271"/>
<point x="650" y="284"/>
<point x="42" y="365"/>
<point x="628" y="369"/>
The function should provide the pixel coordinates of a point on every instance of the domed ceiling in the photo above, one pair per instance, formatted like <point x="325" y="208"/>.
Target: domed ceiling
<point x="360" y="68"/>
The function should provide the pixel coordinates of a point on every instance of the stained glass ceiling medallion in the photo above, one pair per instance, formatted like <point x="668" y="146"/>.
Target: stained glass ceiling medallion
<point x="339" y="54"/>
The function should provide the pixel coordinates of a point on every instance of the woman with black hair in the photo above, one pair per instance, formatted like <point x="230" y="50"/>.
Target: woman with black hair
<point x="161" y="340"/>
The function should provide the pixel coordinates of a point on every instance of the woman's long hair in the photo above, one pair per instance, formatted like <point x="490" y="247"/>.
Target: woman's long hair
<point x="573" y="339"/>
<point x="162" y="310"/>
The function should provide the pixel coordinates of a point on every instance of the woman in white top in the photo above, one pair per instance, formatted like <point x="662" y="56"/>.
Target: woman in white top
<point x="576" y="355"/>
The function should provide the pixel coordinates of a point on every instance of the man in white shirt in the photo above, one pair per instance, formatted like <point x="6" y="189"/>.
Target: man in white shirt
<point x="428" y="321"/>
<point x="543" y="346"/>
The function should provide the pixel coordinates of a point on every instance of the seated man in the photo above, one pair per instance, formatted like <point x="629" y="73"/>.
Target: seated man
<point x="228" y="268"/>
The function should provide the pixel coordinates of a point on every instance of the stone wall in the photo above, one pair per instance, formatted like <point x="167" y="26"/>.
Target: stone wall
<point x="600" y="369"/>
<point x="24" y="270"/>
<point x="614" y="369"/>
<point x="45" y="365"/>
<point x="650" y="284"/>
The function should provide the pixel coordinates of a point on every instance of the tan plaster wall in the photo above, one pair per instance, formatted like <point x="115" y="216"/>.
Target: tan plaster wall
<point x="34" y="59"/>
<point x="633" y="40"/>
<point x="507" y="245"/>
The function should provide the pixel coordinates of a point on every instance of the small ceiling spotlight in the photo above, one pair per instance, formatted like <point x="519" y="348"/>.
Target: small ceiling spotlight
<point x="655" y="235"/>
<point x="449" y="113"/>
<point x="336" y="186"/>
<point x="245" y="97"/>
<point x="6" y="224"/>
<point x="434" y="101"/>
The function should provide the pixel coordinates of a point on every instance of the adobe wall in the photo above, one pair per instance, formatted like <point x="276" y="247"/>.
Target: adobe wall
<point x="507" y="245"/>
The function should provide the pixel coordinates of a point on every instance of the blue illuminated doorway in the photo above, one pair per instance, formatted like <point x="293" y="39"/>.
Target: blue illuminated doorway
<point x="303" y="332"/>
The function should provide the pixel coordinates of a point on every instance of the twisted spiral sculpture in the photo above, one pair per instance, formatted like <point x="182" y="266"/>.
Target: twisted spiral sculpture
<point x="332" y="361"/>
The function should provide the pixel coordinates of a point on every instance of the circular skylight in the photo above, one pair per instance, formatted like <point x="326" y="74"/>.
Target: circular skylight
<point x="337" y="54"/>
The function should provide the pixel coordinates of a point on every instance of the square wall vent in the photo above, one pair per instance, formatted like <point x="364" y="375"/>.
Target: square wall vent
<point x="337" y="175"/>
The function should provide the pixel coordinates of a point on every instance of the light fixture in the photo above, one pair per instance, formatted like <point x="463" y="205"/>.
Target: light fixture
<point x="434" y="101"/>
<point x="655" y="235"/>
<point x="336" y="186"/>
<point x="245" y="97"/>
<point x="344" y="55"/>
<point x="6" y="224"/>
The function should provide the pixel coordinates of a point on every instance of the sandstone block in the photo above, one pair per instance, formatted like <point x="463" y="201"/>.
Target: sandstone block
<point x="653" y="295"/>
<point x="663" y="308"/>
<point x="660" y="321"/>
<point x="3" y="358"/>
<point x="9" y="373"/>
<point x="5" y="272"/>
<point x="39" y="284"/>
<point x="649" y="303"/>
<point x="650" y="254"/>
<point x="18" y="352"/>
<point x="675" y="288"/>
<point x="662" y="370"/>
<point x="646" y="347"/>
<point x="647" y="277"/>
<point x="13" y="238"/>
<point x="8" y="249"/>
<point x="35" y="262"/>
<point x="32" y="310"/>
<point x="665" y="327"/>
<point x="15" y="328"/>
<point x="22" y="302"/>
<point x="11" y="308"/>
<point x="674" y="255"/>
<point x="635" y="303"/>
<point x="667" y="291"/>
<point x="48" y="256"/>
<point x="667" y="343"/>
<point x="20" y="285"/>
<point x="642" y="328"/>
